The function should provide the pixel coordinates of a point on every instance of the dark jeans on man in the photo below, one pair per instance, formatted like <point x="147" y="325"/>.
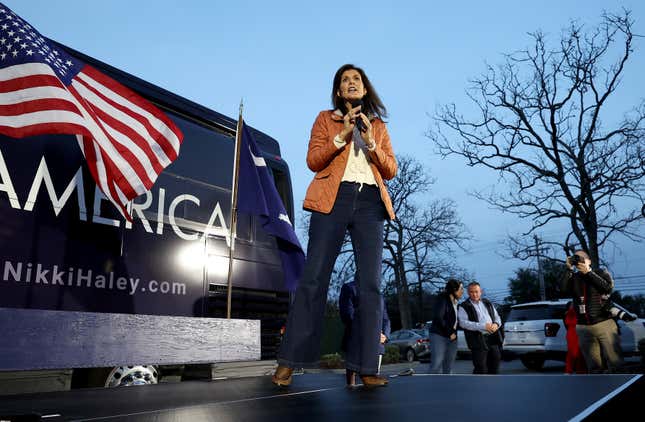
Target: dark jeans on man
<point x="360" y="210"/>
<point x="487" y="361"/>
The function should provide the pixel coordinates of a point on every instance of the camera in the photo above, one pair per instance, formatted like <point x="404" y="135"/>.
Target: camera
<point x="575" y="260"/>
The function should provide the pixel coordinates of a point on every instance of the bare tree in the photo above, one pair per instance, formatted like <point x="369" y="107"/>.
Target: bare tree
<point x="540" y="128"/>
<point x="422" y="232"/>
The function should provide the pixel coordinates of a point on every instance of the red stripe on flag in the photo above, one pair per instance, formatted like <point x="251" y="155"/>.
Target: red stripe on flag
<point x="123" y="150"/>
<point x="91" y="158"/>
<point x="134" y="137"/>
<point x="113" y="174"/>
<point x="42" y="129"/>
<point x="134" y="98"/>
<point x="116" y="177"/>
<point x="32" y="106"/>
<point x="30" y="81"/>
<point x="122" y="181"/>
<point x="121" y="127"/>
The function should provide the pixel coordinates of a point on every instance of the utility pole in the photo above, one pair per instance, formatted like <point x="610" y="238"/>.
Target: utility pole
<point x="539" y="267"/>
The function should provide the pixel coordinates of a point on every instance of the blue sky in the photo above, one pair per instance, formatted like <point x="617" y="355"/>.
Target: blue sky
<point x="280" y="58"/>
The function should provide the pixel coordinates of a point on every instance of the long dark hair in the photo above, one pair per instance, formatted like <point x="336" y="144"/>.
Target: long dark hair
<point x="372" y="104"/>
<point x="452" y="286"/>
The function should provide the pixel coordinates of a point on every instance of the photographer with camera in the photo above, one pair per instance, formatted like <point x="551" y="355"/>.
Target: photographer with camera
<point x="597" y="332"/>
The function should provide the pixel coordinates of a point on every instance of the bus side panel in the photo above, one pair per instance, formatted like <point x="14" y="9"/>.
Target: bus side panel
<point x="74" y="252"/>
<point x="80" y="260"/>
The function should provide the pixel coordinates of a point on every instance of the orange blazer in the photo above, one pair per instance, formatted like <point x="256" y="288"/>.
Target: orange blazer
<point x="328" y="162"/>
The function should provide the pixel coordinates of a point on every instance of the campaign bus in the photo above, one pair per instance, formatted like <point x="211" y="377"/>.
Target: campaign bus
<point x="81" y="287"/>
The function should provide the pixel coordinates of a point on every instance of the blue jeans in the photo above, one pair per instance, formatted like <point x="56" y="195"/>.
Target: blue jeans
<point x="443" y="353"/>
<point x="361" y="211"/>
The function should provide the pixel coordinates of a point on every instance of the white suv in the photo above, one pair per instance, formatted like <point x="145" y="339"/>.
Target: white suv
<point x="535" y="332"/>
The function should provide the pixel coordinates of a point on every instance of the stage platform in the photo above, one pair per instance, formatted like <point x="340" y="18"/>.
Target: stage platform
<point x="323" y="397"/>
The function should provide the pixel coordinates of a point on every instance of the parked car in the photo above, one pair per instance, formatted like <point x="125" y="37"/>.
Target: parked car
<point x="413" y="344"/>
<point x="423" y="332"/>
<point x="535" y="332"/>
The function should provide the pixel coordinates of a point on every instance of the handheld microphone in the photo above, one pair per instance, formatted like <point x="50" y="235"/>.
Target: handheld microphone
<point x="359" y="122"/>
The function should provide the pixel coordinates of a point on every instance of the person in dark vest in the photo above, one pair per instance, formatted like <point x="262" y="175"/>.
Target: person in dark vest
<point x="351" y="344"/>
<point x="481" y="324"/>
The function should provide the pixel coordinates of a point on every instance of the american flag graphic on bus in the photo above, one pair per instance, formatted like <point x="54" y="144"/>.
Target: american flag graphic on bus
<point x="126" y="141"/>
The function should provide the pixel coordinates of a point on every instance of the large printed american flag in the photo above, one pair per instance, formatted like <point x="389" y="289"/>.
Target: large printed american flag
<point x="126" y="140"/>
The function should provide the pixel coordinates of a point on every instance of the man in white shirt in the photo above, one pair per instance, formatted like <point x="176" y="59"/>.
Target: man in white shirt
<point x="481" y="322"/>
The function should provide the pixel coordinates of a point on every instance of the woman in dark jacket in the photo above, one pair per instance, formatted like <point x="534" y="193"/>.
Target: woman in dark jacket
<point x="443" y="332"/>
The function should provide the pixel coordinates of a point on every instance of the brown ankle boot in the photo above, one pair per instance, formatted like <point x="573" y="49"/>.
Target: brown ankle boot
<point x="350" y="377"/>
<point x="373" y="381"/>
<point x="282" y="376"/>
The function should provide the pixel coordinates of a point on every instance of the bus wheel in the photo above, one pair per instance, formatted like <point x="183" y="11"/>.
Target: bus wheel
<point x="132" y="375"/>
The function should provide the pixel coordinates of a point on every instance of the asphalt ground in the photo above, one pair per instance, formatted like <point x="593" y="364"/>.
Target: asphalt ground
<point x="323" y="397"/>
<point x="243" y="391"/>
<point x="463" y="366"/>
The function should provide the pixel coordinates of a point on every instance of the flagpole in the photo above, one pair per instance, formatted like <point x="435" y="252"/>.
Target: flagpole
<point x="233" y="220"/>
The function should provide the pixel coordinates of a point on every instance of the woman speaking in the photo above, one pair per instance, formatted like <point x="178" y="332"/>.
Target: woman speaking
<point x="351" y="154"/>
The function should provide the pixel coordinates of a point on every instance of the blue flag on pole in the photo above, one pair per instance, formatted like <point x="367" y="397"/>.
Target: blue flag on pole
<point x="257" y="195"/>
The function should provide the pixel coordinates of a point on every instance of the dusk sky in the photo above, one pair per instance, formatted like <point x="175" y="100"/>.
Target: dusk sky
<point x="280" y="58"/>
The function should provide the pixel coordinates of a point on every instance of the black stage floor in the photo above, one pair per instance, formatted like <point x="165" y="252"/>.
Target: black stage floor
<point x="323" y="397"/>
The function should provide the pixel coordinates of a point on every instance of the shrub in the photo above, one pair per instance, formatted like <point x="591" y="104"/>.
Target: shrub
<point x="332" y="361"/>
<point x="392" y="354"/>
